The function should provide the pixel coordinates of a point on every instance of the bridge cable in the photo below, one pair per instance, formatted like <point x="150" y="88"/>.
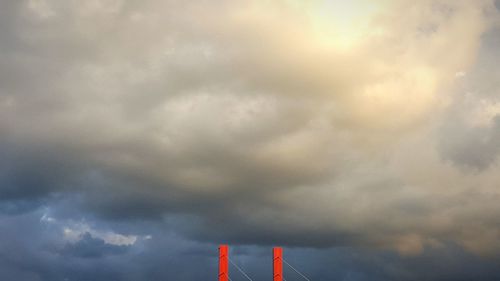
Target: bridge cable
<point x="296" y="270"/>
<point x="240" y="270"/>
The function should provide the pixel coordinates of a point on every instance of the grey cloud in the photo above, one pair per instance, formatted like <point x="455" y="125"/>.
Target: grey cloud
<point x="233" y="130"/>
<point x="259" y="120"/>
<point x="473" y="147"/>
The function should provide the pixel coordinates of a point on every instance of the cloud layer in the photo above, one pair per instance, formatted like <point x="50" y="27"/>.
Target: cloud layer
<point x="315" y="124"/>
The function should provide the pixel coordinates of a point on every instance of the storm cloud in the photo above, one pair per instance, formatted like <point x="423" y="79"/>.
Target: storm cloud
<point x="364" y="133"/>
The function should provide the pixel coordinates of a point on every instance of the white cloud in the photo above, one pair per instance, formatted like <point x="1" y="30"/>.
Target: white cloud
<point x="74" y="232"/>
<point x="46" y="218"/>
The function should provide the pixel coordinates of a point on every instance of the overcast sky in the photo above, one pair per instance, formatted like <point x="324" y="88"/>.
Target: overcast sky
<point x="363" y="136"/>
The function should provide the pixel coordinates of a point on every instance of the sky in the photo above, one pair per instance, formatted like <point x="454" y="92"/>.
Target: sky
<point x="362" y="136"/>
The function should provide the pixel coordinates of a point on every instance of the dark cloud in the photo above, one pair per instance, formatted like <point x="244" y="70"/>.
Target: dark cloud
<point x="33" y="249"/>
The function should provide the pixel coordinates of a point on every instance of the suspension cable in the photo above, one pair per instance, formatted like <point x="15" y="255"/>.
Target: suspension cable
<point x="294" y="269"/>
<point x="240" y="270"/>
